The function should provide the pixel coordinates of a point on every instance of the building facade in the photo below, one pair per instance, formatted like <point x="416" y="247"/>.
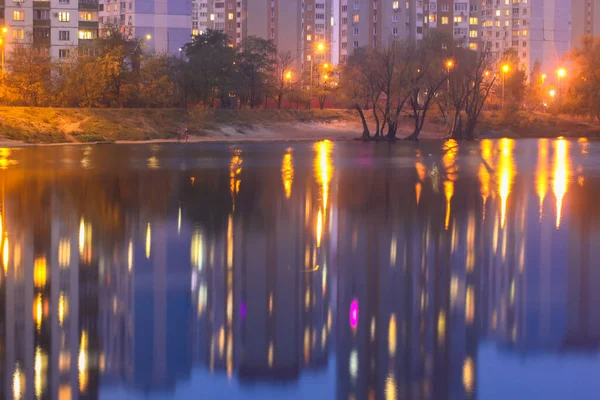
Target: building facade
<point x="58" y="25"/>
<point x="538" y="31"/>
<point x="586" y="19"/>
<point x="163" y="26"/>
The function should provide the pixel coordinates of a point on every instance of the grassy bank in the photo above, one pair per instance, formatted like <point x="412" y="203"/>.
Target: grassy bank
<point x="58" y="125"/>
<point x="522" y="124"/>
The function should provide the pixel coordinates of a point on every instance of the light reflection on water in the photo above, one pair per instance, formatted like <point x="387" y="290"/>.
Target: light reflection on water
<point x="345" y="270"/>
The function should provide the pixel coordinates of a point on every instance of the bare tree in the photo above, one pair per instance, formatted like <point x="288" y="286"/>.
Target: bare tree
<point x="282" y="76"/>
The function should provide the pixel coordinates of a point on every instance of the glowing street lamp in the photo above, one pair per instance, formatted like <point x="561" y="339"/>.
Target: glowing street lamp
<point x="319" y="48"/>
<point x="449" y="66"/>
<point x="505" y="69"/>
<point x="544" y="76"/>
<point x="561" y="73"/>
<point x="2" y="44"/>
<point x="552" y="93"/>
<point x="148" y="37"/>
<point x="288" y="76"/>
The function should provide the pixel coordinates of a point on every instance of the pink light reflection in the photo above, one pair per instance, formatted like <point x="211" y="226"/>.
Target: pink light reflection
<point x="354" y="313"/>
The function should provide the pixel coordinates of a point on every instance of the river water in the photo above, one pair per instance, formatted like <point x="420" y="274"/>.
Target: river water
<point x="301" y="271"/>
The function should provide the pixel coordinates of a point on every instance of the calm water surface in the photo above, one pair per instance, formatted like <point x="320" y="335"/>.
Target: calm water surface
<point x="301" y="271"/>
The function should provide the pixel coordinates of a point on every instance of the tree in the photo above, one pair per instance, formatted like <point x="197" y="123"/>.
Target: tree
<point x="515" y="82"/>
<point x="255" y="63"/>
<point x="156" y="88"/>
<point x="470" y="84"/>
<point x="426" y="76"/>
<point x="357" y="86"/>
<point x="534" y="95"/>
<point x="324" y="83"/>
<point x="281" y="81"/>
<point x="582" y="96"/>
<point x="212" y="67"/>
<point x="29" y="80"/>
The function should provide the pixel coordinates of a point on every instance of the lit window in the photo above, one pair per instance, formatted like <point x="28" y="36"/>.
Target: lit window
<point x="18" y="34"/>
<point x="473" y="33"/>
<point x="444" y="20"/>
<point x="88" y="16"/>
<point x="87" y="34"/>
<point x="356" y="18"/>
<point x="230" y="16"/>
<point x="212" y="17"/>
<point x="396" y="5"/>
<point x="18" y="15"/>
<point x="473" y="46"/>
<point x="458" y="18"/>
<point x="473" y="21"/>
<point x="64" y="16"/>
<point x="525" y="32"/>
<point x="308" y="38"/>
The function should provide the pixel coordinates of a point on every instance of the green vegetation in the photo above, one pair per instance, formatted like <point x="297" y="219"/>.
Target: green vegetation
<point x="60" y="125"/>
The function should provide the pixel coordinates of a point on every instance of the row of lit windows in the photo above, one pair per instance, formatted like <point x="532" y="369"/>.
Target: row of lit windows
<point x="62" y="35"/>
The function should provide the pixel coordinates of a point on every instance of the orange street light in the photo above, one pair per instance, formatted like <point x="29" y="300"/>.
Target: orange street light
<point x="320" y="47"/>
<point x="544" y="76"/>
<point x="4" y="30"/>
<point x="561" y="72"/>
<point x="325" y="65"/>
<point x="552" y="93"/>
<point x="449" y="64"/>
<point x="148" y="37"/>
<point x="288" y="75"/>
<point x="487" y="73"/>
<point x="505" y="69"/>
<point x="325" y="76"/>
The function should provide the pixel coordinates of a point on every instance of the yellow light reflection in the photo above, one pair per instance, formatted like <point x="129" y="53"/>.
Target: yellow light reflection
<point x="506" y="174"/>
<point x="221" y="342"/>
<point x="541" y="174"/>
<point x="38" y="308"/>
<point x="324" y="169"/>
<point x="179" y="220"/>
<point x="450" y="149"/>
<point x="441" y="327"/>
<point x="270" y="355"/>
<point x="18" y="383"/>
<point x="306" y="346"/>
<point x="40" y="272"/>
<point x="40" y="367"/>
<point x="5" y="256"/>
<point x="63" y="308"/>
<point x="82" y="362"/>
<point x="130" y="256"/>
<point x="64" y="253"/>
<point x="470" y="305"/>
<point x="561" y="175"/>
<point x="81" y="236"/>
<point x="468" y="375"/>
<point x="418" y="190"/>
<point x="287" y="172"/>
<point x="391" y="392"/>
<point x="319" y="227"/>
<point x="392" y="336"/>
<point x="235" y="171"/>
<point x="148" y="241"/>
<point x="230" y="242"/>
<point x="197" y="250"/>
<point x="470" y="262"/>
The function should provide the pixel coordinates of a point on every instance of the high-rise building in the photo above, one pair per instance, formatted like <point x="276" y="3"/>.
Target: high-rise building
<point x="163" y="26"/>
<point x="294" y="26"/>
<point x="586" y="19"/>
<point x="56" y="25"/>
<point x="538" y="31"/>
<point x="375" y="24"/>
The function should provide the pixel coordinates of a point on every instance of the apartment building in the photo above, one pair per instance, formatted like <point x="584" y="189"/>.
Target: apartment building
<point x="376" y="23"/>
<point x="57" y="25"/>
<point x="586" y="19"/>
<point x="163" y="26"/>
<point x="538" y="30"/>
<point x="297" y="26"/>
<point x="457" y="19"/>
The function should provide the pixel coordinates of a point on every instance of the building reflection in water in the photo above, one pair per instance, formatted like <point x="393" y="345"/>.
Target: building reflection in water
<point x="142" y="279"/>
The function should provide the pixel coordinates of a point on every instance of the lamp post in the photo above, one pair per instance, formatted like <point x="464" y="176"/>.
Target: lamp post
<point x="449" y="65"/>
<point x="320" y="47"/>
<point x="505" y="69"/>
<point x="561" y="73"/>
<point x="288" y="76"/>
<point x="3" y="45"/>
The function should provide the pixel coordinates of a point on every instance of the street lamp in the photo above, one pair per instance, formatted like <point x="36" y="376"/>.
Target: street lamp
<point x="561" y="73"/>
<point x="319" y="48"/>
<point x="449" y="65"/>
<point x="148" y="36"/>
<point x="544" y="76"/>
<point x="288" y="76"/>
<point x="3" y="45"/>
<point x="505" y="69"/>
<point x="552" y="93"/>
